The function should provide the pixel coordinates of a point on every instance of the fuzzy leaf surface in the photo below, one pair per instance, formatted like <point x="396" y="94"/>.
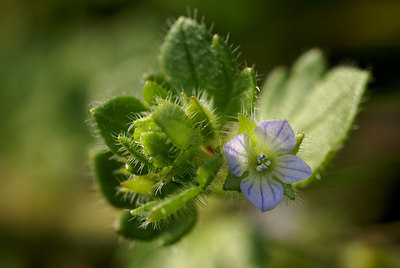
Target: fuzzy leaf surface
<point x="207" y="172"/>
<point x="130" y="227"/>
<point x="188" y="60"/>
<point x="321" y="104"/>
<point x="166" y="233"/>
<point x="244" y="93"/>
<point x="113" y="118"/>
<point x="193" y="59"/>
<point x="106" y="171"/>
<point x="177" y="228"/>
<point x="152" y="91"/>
<point x="201" y="118"/>
<point x="175" y="124"/>
<point x="232" y="182"/>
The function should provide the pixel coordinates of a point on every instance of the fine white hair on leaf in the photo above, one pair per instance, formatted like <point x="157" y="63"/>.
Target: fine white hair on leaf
<point x="211" y="28"/>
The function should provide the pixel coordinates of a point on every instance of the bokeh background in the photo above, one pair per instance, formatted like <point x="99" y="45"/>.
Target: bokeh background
<point x="57" y="57"/>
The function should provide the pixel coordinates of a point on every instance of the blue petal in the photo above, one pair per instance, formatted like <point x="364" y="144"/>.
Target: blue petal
<point x="277" y="135"/>
<point x="290" y="168"/>
<point x="236" y="154"/>
<point x="265" y="193"/>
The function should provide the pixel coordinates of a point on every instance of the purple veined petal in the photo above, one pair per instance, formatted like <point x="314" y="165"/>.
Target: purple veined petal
<point x="264" y="192"/>
<point x="290" y="168"/>
<point x="236" y="154"/>
<point x="278" y="135"/>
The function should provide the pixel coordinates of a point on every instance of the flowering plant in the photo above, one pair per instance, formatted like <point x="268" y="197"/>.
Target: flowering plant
<point x="193" y="131"/>
<point x="266" y="155"/>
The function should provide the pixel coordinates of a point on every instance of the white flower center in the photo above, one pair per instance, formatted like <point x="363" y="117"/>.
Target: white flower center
<point x="262" y="163"/>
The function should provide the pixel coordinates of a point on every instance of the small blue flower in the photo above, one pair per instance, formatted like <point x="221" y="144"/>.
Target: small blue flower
<point x="268" y="162"/>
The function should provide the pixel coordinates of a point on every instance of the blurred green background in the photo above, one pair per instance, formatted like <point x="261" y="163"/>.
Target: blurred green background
<point x="58" y="57"/>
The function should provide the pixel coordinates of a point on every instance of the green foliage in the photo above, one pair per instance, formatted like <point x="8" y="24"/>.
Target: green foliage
<point x="172" y="204"/>
<point x="139" y="184"/>
<point x="159" y="79"/>
<point x="177" y="228"/>
<point x="112" y="118"/>
<point x="152" y="91"/>
<point x="288" y="191"/>
<point x="299" y="140"/>
<point x="224" y="55"/>
<point x="320" y="103"/>
<point x="175" y="124"/>
<point x="201" y="115"/>
<point x="163" y="155"/>
<point x="244" y="93"/>
<point x="207" y="172"/>
<point x="246" y="126"/>
<point x="156" y="145"/>
<point x="188" y="60"/>
<point x="166" y="234"/>
<point x="134" y="150"/>
<point x="131" y="228"/>
<point x="193" y="59"/>
<point x="232" y="183"/>
<point x="107" y="173"/>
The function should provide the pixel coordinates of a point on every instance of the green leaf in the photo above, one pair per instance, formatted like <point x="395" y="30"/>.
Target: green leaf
<point x="139" y="184"/>
<point x="159" y="79"/>
<point x="175" y="124"/>
<point x="170" y="205"/>
<point x="288" y="191"/>
<point x="134" y="150"/>
<point x="322" y="105"/>
<point x="246" y="126"/>
<point x="131" y="227"/>
<point x="207" y="172"/>
<point x="225" y="56"/>
<point x="158" y="210"/>
<point x="299" y="140"/>
<point x="167" y="188"/>
<point x="136" y="169"/>
<point x="112" y="118"/>
<point x="177" y="228"/>
<point x="143" y="125"/>
<point x="282" y="94"/>
<point x="202" y="118"/>
<point x="191" y="64"/>
<point x="143" y="211"/>
<point x="152" y="91"/>
<point x="183" y="162"/>
<point x="107" y="176"/>
<point x="154" y="184"/>
<point x="156" y="145"/>
<point x="232" y="183"/>
<point x="166" y="233"/>
<point x="244" y="93"/>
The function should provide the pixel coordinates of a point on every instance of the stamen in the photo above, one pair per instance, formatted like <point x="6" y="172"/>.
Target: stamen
<point x="261" y="158"/>
<point x="261" y="167"/>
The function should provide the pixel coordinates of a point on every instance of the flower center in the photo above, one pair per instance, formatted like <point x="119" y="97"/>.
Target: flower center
<point x="262" y="163"/>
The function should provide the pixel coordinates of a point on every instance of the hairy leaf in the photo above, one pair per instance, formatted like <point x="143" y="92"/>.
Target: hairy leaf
<point x="131" y="228"/>
<point x="177" y="228"/>
<point x="112" y="118"/>
<point x="152" y="91"/>
<point x="188" y="60"/>
<point x="175" y="124"/>
<point x="108" y="177"/>
<point x="321" y="104"/>
<point x="207" y="172"/>
<point x="166" y="233"/>
<point x="244" y="93"/>
<point x="201" y="118"/>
